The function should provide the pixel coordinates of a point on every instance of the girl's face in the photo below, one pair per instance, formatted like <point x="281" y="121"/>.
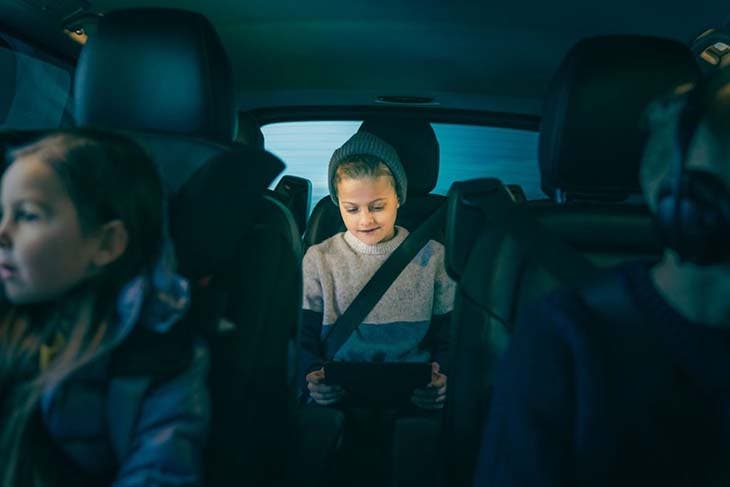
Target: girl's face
<point x="43" y="250"/>
<point x="368" y="207"/>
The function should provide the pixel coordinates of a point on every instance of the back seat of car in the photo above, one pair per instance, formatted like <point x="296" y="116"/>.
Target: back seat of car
<point x="590" y="149"/>
<point x="415" y="142"/>
<point x="163" y="77"/>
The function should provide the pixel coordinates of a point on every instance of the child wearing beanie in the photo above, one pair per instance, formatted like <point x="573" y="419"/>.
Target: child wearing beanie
<point x="368" y="184"/>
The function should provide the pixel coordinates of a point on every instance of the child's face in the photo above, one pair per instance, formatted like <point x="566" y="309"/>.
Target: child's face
<point x="368" y="207"/>
<point x="43" y="251"/>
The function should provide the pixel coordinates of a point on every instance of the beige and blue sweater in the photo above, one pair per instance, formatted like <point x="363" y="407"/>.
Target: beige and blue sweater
<point x="395" y="330"/>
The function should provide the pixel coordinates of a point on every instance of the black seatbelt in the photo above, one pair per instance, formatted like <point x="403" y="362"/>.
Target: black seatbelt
<point x="383" y="278"/>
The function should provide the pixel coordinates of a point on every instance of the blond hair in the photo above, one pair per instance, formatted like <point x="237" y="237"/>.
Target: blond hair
<point x="363" y="166"/>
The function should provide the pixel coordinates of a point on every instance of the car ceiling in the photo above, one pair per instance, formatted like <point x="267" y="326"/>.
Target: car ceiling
<point x="493" y="56"/>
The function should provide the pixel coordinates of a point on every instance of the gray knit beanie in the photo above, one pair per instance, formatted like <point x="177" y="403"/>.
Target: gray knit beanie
<point x="365" y="143"/>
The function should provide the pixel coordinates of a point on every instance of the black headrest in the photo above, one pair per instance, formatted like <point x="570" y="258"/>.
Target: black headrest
<point x="464" y="220"/>
<point x="156" y="70"/>
<point x="8" y="68"/>
<point x="296" y="194"/>
<point x="415" y="142"/>
<point x="215" y="207"/>
<point x="590" y="140"/>
<point x="177" y="157"/>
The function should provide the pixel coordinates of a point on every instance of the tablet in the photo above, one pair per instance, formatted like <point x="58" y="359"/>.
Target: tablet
<point x="382" y="383"/>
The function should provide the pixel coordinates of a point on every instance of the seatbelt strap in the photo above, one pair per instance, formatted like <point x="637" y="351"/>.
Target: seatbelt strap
<point x="383" y="278"/>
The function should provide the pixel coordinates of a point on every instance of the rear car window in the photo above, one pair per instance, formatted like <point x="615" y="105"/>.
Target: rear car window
<point x="467" y="152"/>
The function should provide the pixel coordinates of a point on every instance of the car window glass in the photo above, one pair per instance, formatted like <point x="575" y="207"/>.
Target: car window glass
<point x="467" y="152"/>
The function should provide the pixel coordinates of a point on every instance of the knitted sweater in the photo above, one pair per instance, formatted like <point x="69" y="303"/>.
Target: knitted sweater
<point x="337" y="269"/>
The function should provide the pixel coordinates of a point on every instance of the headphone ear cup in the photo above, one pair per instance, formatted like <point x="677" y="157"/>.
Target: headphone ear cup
<point x="707" y="218"/>
<point x="665" y="221"/>
<point x="695" y="223"/>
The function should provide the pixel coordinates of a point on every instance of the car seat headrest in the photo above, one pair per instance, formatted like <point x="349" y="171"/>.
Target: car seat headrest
<point x="591" y="142"/>
<point x="156" y="70"/>
<point x="214" y="208"/>
<point x="415" y="142"/>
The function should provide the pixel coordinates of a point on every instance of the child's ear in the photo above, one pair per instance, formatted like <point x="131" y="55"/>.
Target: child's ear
<point x="113" y="240"/>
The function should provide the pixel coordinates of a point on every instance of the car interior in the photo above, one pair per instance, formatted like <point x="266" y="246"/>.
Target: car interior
<point x="522" y="121"/>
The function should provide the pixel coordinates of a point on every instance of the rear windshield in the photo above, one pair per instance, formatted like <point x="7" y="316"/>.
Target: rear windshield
<point x="467" y="152"/>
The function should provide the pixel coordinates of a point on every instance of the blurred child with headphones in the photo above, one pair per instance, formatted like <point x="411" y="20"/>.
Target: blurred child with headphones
<point x="627" y="381"/>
